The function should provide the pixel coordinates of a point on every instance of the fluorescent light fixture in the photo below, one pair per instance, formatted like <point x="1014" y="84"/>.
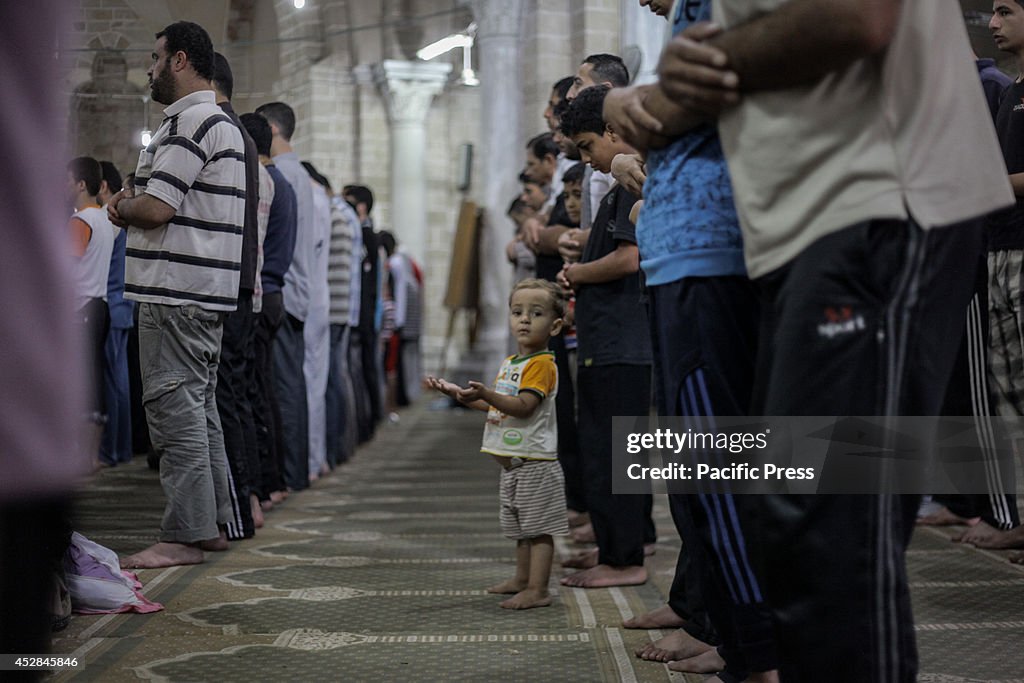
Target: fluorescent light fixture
<point x="299" y="4"/>
<point x="446" y="44"/>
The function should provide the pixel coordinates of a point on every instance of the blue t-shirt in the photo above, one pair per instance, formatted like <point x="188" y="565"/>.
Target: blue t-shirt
<point x="688" y="226"/>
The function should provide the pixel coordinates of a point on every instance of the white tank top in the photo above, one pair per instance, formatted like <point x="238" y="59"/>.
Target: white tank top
<point x="92" y="268"/>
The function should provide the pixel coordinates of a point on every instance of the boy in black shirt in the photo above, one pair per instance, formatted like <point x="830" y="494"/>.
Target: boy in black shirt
<point x="614" y="353"/>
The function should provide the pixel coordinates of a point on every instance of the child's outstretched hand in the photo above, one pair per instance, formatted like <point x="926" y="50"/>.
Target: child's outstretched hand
<point x="474" y="392"/>
<point x="444" y="386"/>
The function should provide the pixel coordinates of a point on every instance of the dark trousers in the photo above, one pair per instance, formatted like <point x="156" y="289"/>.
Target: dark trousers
<point x="622" y="523"/>
<point x="140" y="428"/>
<point x="568" y="435"/>
<point x="34" y="535"/>
<point x="704" y="334"/>
<point x="266" y="411"/>
<point x="235" y="410"/>
<point x="360" y="389"/>
<point x="371" y="357"/>
<point x="289" y="353"/>
<point x="116" y="445"/>
<point x="859" y="323"/>
<point x="340" y="415"/>
<point x="95" y="319"/>
<point x="968" y="394"/>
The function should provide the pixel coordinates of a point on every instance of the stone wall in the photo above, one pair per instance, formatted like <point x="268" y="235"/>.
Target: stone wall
<point x="318" y="59"/>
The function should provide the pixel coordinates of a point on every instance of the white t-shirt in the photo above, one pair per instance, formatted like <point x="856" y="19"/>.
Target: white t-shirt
<point x="92" y="268"/>
<point x="535" y="437"/>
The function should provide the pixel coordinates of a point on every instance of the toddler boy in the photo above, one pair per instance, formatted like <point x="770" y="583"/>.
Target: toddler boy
<point x="521" y="434"/>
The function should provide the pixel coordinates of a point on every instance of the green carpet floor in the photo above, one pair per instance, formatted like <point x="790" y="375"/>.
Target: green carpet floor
<point x="377" y="572"/>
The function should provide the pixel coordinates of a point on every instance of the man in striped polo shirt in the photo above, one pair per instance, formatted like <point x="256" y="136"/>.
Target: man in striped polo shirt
<point x="183" y="262"/>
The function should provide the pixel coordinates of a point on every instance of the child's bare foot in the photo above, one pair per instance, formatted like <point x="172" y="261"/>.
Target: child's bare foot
<point x="267" y="505"/>
<point x="584" y="559"/>
<point x="606" y="576"/>
<point x="577" y="518"/>
<point x="944" y="517"/>
<point x="164" y="555"/>
<point x="278" y="497"/>
<point x="583" y="534"/>
<point x="509" y="587"/>
<point x="676" y="645"/>
<point x="527" y="599"/>
<point x="650" y="549"/>
<point x="663" y="617"/>
<point x="986" y="536"/>
<point x="709" y="662"/>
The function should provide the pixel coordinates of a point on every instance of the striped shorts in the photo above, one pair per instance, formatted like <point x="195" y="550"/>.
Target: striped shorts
<point x="533" y="500"/>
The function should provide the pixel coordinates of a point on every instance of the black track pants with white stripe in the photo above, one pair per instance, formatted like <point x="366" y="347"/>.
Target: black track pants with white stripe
<point x="834" y="566"/>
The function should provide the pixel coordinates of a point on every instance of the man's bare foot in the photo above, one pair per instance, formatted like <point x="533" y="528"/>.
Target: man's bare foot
<point x="510" y="587"/>
<point x="527" y="599"/>
<point x="584" y="559"/>
<point x="577" y="518"/>
<point x="663" y="617"/>
<point x="606" y="576"/>
<point x="676" y="645"/>
<point x="266" y="505"/>
<point x="215" y="545"/>
<point x="278" y="497"/>
<point x="583" y="534"/>
<point x="163" y="555"/>
<point x="985" y="536"/>
<point x="709" y="662"/>
<point x="257" y="511"/>
<point x="650" y="549"/>
<point x="1017" y="558"/>
<point x="944" y="517"/>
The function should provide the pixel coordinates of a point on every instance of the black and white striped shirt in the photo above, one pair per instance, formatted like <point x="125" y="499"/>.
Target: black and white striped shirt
<point x="196" y="164"/>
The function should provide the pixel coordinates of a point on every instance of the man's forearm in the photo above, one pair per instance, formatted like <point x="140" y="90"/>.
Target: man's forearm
<point x="1017" y="182"/>
<point x="792" y="46"/>
<point x="613" y="266"/>
<point x="548" y="243"/>
<point x="675" y="118"/>
<point x="144" y="212"/>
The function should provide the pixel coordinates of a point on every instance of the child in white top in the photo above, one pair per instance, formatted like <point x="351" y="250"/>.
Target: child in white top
<point x="521" y="434"/>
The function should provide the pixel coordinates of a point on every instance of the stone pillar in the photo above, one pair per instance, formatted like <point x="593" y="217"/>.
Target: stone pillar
<point x="408" y="88"/>
<point x="502" y="155"/>
<point x="643" y="36"/>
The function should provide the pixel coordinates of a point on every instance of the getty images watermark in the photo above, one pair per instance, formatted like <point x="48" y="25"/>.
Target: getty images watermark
<point x="807" y="455"/>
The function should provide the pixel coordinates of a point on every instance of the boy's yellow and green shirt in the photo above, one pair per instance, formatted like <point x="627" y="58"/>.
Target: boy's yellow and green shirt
<point x="535" y="437"/>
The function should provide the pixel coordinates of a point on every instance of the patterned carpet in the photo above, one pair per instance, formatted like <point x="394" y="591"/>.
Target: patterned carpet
<point x="376" y="574"/>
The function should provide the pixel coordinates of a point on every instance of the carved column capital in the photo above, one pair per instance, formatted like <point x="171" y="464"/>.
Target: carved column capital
<point x="408" y="88"/>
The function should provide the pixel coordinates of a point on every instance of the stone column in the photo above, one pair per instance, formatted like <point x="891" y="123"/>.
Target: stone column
<point x="408" y="88"/>
<point x="502" y="155"/>
<point x="643" y="36"/>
